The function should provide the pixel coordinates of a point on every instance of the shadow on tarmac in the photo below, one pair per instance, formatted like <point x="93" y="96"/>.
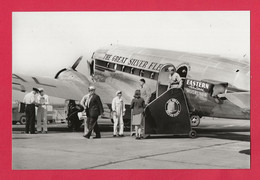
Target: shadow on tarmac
<point x="228" y="136"/>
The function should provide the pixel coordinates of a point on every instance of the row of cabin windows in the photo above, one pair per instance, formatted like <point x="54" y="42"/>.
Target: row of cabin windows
<point x="127" y="69"/>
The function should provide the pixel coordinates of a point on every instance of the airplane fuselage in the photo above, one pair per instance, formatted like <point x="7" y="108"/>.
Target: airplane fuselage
<point x="204" y="76"/>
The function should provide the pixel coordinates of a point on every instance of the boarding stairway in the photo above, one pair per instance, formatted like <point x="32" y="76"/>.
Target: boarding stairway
<point x="168" y="113"/>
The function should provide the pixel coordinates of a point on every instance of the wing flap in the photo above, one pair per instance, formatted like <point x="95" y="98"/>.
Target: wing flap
<point x="241" y="99"/>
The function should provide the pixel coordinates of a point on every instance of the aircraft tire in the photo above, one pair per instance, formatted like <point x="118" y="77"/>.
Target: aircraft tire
<point x="23" y="120"/>
<point x="192" y="134"/>
<point x="194" y="120"/>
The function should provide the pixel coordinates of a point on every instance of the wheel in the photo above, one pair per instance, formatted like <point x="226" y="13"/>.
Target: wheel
<point x="194" y="120"/>
<point x="23" y="120"/>
<point x="192" y="134"/>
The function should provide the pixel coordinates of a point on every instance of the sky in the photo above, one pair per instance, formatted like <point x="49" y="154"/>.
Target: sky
<point x="46" y="42"/>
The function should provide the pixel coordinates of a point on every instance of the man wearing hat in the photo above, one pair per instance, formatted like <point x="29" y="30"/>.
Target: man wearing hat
<point x="118" y="109"/>
<point x="174" y="79"/>
<point x="43" y="101"/>
<point x="30" y="99"/>
<point x="94" y="108"/>
<point x="145" y="91"/>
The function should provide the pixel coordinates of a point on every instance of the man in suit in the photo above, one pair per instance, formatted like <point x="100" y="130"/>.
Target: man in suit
<point x="145" y="91"/>
<point x="94" y="108"/>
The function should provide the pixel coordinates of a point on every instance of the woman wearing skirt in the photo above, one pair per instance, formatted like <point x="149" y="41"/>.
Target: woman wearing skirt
<point x="137" y="105"/>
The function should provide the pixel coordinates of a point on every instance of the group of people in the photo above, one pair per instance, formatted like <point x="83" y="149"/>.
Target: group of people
<point x="36" y="98"/>
<point x="93" y="107"/>
<point x="92" y="104"/>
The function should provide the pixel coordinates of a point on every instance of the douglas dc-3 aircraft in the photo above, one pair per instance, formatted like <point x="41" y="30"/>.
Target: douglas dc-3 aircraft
<point x="213" y="86"/>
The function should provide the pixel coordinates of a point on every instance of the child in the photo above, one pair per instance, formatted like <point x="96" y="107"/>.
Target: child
<point x="137" y="105"/>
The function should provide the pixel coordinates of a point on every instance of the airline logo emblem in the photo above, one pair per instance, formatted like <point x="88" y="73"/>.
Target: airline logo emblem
<point x="173" y="107"/>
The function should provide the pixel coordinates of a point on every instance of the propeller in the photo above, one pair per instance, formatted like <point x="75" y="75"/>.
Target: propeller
<point x="91" y="67"/>
<point x="73" y="67"/>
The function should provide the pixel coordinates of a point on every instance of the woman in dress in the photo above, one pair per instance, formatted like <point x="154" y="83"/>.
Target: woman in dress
<point x="137" y="105"/>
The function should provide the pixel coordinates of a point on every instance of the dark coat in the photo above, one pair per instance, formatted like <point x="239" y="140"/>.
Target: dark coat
<point x="95" y="107"/>
<point x="137" y="105"/>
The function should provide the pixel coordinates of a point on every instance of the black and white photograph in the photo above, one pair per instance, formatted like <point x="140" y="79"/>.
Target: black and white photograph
<point x="131" y="90"/>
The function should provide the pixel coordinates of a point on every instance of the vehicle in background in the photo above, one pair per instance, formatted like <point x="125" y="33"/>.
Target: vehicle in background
<point x="55" y="113"/>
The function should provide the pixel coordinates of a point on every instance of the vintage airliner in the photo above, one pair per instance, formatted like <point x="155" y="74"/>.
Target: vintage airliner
<point x="214" y="86"/>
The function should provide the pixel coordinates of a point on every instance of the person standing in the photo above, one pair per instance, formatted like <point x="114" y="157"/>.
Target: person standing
<point x="138" y="106"/>
<point x="30" y="100"/>
<point x="174" y="79"/>
<point x="43" y="101"/>
<point x="145" y="91"/>
<point x="94" y="108"/>
<point x="118" y="109"/>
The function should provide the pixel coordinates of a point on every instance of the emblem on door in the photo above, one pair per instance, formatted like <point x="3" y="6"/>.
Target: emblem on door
<point x="173" y="107"/>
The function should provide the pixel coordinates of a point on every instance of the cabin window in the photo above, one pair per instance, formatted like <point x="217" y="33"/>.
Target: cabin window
<point x="119" y="67"/>
<point x="111" y="65"/>
<point x="137" y="72"/>
<point x="132" y="70"/>
<point x="101" y="63"/>
<point x="127" y="69"/>
<point x="142" y="73"/>
<point x="152" y="75"/>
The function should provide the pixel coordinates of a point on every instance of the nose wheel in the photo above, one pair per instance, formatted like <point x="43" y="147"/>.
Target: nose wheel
<point x="194" y="120"/>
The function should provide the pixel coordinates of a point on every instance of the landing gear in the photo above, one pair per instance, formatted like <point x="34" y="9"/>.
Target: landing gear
<point x="194" y="120"/>
<point x="192" y="134"/>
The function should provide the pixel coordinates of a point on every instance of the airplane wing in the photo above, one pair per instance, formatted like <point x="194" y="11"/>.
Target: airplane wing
<point x="66" y="89"/>
<point x="241" y="99"/>
<point x="53" y="87"/>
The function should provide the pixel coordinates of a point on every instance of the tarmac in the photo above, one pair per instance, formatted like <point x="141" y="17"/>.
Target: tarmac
<point x="220" y="144"/>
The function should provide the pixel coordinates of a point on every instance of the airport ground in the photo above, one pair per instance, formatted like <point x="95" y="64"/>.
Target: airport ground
<point x="220" y="144"/>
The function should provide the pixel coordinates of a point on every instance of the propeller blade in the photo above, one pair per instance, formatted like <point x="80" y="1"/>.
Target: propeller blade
<point x="74" y="66"/>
